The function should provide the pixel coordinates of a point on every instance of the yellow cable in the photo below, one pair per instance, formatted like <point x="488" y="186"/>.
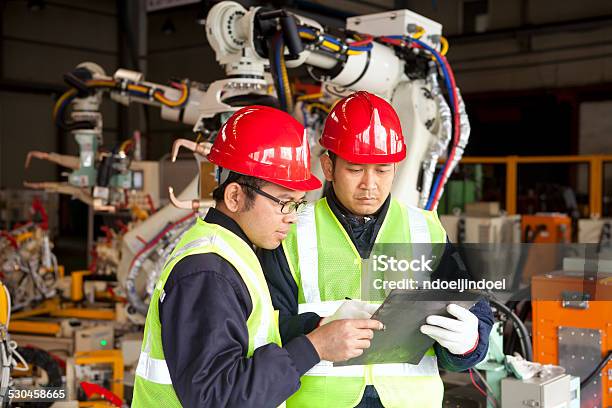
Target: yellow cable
<point x="100" y="82"/>
<point x="309" y="97"/>
<point x="419" y="33"/>
<point x="124" y="145"/>
<point x="24" y="236"/>
<point x="286" y="85"/>
<point x="138" y="88"/>
<point x="331" y="46"/>
<point x="173" y="104"/>
<point x="68" y="94"/>
<point x="307" y="36"/>
<point x="321" y="106"/>
<point x="444" y="43"/>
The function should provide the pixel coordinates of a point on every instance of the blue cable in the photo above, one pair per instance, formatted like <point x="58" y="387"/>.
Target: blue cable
<point x="444" y="70"/>
<point x="363" y="48"/>
<point x="304" y="114"/>
<point x="332" y="40"/>
<point x="139" y="93"/>
<point x="447" y="82"/>
<point x="451" y="97"/>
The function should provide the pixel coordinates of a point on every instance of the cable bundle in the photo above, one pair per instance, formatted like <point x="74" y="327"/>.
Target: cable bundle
<point x="451" y="87"/>
<point x="89" y="87"/>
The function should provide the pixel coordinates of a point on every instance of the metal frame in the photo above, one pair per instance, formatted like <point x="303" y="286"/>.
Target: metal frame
<point x="595" y="162"/>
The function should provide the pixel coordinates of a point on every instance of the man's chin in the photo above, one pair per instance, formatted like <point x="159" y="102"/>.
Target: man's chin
<point x="365" y="209"/>
<point x="270" y="245"/>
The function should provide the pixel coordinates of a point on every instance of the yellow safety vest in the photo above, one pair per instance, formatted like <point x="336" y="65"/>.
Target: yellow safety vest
<point x="327" y="268"/>
<point x="153" y="386"/>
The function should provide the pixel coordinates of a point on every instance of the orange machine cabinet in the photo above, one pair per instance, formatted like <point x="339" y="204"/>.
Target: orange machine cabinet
<point x="572" y="327"/>
<point x="549" y="228"/>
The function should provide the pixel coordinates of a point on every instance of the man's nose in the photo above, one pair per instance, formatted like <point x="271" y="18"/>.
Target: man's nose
<point x="368" y="181"/>
<point x="290" y="218"/>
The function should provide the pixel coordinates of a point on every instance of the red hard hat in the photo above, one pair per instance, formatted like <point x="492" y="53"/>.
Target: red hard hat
<point x="363" y="128"/>
<point x="266" y="143"/>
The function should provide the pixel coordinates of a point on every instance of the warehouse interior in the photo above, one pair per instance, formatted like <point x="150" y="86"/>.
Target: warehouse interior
<point x="108" y="108"/>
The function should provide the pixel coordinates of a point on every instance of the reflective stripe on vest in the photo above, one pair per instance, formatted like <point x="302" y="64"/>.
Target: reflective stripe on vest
<point x="261" y="337"/>
<point x="427" y="366"/>
<point x="335" y="271"/>
<point x="308" y="253"/>
<point x="153" y="369"/>
<point x="309" y="272"/>
<point x="153" y="385"/>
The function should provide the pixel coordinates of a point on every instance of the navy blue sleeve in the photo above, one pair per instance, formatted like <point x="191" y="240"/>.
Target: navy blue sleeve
<point x="205" y="341"/>
<point x="284" y="293"/>
<point x="453" y="362"/>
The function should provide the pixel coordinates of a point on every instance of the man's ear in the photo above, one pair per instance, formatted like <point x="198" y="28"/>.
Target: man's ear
<point x="233" y="197"/>
<point x="328" y="167"/>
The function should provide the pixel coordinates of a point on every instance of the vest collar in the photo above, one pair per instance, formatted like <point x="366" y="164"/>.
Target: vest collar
<point x="214" y="216"/>
<point x="362" y="234"/>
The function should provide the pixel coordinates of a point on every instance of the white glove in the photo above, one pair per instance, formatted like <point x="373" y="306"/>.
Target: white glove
<point x="351" y="309"/>
<point x="459" y="335"/>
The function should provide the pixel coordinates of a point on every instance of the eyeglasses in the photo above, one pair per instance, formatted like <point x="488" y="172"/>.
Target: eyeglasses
<point x="287" y="207"/>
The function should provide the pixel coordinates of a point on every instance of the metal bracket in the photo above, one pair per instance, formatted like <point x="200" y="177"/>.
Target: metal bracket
<point x="575" y="300"/>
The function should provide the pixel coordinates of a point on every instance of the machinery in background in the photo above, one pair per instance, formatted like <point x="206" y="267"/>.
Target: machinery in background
<point x="545" y="233"/>
<point x="133" y="184"/>
<point x="10" y="358"/>
<point x="572" y="311"/>
<point x="552" y="228"/>
<point x="408" y="49"/>
<point x="489" y="241"/>
<point x="510" y="381"/>
<point x="30" y="269"/>
<point x="112" y="180"/>
<point x="596" y="231"/>
<point x="398" y="55"/>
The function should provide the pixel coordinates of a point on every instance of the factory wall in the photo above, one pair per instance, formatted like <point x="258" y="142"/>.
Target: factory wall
<point x="183" y="53"/>
<point x="37" y="47"/>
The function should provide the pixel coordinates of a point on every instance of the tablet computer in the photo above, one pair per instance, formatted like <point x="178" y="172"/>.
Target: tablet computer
<point x="403" y="313"/>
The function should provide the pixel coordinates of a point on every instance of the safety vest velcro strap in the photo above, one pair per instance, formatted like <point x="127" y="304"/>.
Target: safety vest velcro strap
<point x="427" y="367"/>
<point x="153" y="369"/>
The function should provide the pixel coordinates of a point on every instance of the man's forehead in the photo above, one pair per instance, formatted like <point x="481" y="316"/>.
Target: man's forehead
<point x="369" y="164"/>
<point x="283" y="192"/>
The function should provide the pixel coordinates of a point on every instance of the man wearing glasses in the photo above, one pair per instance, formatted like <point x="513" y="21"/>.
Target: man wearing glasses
<point x="211" y="335"/>
<point x="320" y="264"/>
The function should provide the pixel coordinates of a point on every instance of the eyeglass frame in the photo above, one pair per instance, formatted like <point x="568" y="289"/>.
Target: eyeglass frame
<point x="278" y="201"/>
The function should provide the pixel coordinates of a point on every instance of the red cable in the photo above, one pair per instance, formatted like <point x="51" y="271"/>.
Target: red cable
<point x="365" y="41"/>
<point x="11" y="239"/>
<point x="158" y="237"/>
<point x="456" y="131"/>
<point x="481" y="390"/>
<point x="38" y="207"/>
<point x="151" y="204"/>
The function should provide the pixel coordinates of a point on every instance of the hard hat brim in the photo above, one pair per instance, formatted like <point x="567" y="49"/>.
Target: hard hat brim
<point x="312" y="183"/>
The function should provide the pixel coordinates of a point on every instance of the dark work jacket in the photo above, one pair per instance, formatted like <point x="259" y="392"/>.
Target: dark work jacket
<point x="362" y="232"/>
<point x="205" y="337"/>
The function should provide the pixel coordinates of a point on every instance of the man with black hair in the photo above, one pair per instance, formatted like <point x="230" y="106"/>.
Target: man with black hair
<point x="320" y="264"/>
<point x="211" y="335"/>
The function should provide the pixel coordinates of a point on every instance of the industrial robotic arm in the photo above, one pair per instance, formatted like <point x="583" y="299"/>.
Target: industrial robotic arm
<point x="398" y="55"/>
<point x="101" y="178"/>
